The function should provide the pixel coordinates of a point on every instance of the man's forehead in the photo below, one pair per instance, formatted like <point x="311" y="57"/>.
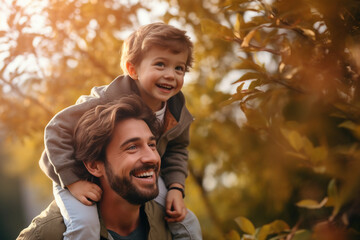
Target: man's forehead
<point x="132" y="128"/>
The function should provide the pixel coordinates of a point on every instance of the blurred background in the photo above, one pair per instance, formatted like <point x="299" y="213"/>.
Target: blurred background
<point x="274" y="150"/>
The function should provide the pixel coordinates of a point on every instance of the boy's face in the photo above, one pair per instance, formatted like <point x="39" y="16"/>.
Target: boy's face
<point x="160" y="75"/>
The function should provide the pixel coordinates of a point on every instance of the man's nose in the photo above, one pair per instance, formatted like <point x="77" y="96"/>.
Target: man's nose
<point x="150" y="155"/>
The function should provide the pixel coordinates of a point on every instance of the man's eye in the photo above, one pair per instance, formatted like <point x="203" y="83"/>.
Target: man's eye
<point x="152" y="145"/>
<point x="132" y="147"/>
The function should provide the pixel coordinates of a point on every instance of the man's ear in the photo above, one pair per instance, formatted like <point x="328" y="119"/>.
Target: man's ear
<point x="95" y="168"/>
<point x="131" y="70"/>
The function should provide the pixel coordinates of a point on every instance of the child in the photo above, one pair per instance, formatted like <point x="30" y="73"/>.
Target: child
<point x="154" y="61"/>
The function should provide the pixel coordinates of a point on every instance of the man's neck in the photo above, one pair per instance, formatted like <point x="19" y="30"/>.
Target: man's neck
<point x="119" y="215"/>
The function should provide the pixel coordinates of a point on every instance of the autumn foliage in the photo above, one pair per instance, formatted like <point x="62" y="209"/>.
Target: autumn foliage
<point x="275" y="91"/>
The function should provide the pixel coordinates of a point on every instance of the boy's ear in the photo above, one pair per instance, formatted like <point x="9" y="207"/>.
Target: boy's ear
<point x="95" y="168"/>
<point x="131" y="70"/>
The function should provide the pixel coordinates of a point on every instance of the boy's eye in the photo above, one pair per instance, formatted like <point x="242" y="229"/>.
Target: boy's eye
<point x="152" y="145"/>
<point x="180" y="68"/>
<point x="160" y="64"/>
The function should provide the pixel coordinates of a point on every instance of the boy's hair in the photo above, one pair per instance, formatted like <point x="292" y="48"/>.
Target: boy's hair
<point x="155" y="34"/>
<point x="95" y="128"/>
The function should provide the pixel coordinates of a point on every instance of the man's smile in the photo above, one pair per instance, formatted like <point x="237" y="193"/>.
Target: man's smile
<point x="144" y="174"/>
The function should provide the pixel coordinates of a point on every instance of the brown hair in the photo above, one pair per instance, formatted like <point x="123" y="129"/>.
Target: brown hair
<point x="159" y="34"/>
<point x="95" y="128"/>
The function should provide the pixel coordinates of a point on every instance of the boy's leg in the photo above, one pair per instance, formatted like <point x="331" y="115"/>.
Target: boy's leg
<point x="189" y="228"/>
<point x="82" y="222"/>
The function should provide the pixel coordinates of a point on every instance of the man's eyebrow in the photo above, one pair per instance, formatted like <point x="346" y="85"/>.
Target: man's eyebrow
<point x="130" y="140"/>
<point x="135" y="139"/>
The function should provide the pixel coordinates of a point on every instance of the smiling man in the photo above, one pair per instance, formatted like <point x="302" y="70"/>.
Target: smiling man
<point x="117" y="144"/>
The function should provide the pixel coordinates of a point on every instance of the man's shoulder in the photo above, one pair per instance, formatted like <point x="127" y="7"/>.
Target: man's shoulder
<point x="158" y="226"/>
<point x="49" y="224"/>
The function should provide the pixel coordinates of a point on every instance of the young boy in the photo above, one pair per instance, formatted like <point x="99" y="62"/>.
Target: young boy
<point x="154" y="61"/>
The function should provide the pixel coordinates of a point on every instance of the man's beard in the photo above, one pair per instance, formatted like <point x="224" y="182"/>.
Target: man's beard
<point x="127" y="190"/>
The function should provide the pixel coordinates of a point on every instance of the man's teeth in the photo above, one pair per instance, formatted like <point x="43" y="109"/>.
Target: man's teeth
<point x="145" y="174"/>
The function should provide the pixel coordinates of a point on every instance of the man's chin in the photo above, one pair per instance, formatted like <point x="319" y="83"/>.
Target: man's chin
<point x="140" y="197"/>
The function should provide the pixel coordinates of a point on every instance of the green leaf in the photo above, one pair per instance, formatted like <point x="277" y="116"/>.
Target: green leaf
<point x="302" y="235"/>
<point x="245" y="225"/>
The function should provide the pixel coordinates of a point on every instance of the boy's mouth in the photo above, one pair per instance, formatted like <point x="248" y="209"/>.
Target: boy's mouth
<point x="165" y="86"/>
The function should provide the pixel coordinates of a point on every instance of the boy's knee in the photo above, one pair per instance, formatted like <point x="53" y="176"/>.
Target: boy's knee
<point x="86" y="222"/>
<point x="189" y="228"/>
<point x="83" y="228"/>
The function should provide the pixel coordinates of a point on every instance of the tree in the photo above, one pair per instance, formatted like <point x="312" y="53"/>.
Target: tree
<point x="280" y="147"/>
<point x="298" y="86"/>
<point x="302" y="116"/>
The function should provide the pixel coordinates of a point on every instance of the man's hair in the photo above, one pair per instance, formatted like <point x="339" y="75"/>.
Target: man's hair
<point x="95" y="128"/>
<point x="155" y="34"/>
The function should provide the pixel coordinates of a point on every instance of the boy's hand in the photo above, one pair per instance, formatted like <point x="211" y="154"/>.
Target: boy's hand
<point x="175" y="205"/>
<point x="86" y="192"/>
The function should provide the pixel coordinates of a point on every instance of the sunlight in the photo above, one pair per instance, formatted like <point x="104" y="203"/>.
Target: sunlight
<point x="22" y="8"/>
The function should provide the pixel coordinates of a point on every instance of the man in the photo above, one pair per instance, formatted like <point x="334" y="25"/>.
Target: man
<point x="117" y="144"/>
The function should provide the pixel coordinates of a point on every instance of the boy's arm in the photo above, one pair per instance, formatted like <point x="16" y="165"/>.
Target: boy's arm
<point x="175" y="160"/>
<point x="57" y="160"/>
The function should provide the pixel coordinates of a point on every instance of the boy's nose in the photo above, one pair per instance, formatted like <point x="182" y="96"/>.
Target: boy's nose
<point x="170" y="74"/>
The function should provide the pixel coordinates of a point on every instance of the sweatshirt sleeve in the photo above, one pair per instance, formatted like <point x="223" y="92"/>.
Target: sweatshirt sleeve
<point x="57" y="160"/>
<point x="175" y="159"/>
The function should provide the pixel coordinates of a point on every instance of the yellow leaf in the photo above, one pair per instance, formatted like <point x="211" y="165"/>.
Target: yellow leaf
<point x="308" y="146"/>
<point x="309" y="33"/>
<point x="233" y="235"/>
<point x="311" y="204"/>
<point x="355" y="128"/>
<point x="216" y="30"/>
<point x="249" y="64"/>
<point x="296" y="155"/>
<point x="248" y="76"/>
<point x="278" y="226"/>
<point x="264" y="232"/>
<point x="319" y="154"/>
<point x="295" y="140"/>
<point x="248" y="38"/>
<point x="245" y="225"/>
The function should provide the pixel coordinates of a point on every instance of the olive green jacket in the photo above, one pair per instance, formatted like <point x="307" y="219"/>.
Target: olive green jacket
<point x="50" y="225"/>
